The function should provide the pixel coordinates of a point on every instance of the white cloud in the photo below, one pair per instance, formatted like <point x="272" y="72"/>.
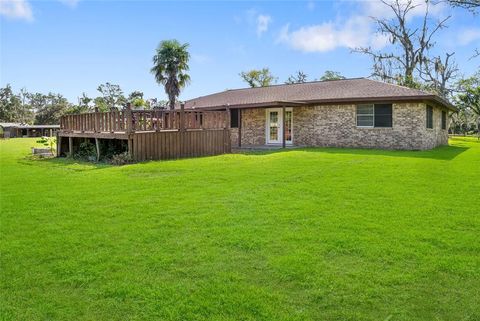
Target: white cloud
<point x="255" y="20"/>
<point x="329" y="36"/>
<point x="263" y="21"/>
<point x="468" y="36"/>
<point x="358" y="30"/>
<point x="21" y="9"/>
<point x="16" y="9"/>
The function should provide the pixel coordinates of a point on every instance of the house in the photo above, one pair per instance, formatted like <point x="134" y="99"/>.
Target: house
<point x="11" y="130"/>
<point x="356" y="112"/>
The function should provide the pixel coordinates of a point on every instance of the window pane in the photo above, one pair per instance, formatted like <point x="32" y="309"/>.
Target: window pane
<point x="364" y="109"/>
<point x="288" y="125"/>
<point x="234" y="118"/>
<point x="273" y="133"/>
<point x="383" y="115"/>
<point x="444" y="120"/>
<point x="273" y="117"/>
<point x="365" y="120"/>
<point x="383" y="120"/>
<point x="429" y="117"/>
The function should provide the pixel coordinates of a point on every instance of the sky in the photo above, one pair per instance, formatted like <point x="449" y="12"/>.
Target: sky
<point x="72" y="46"/>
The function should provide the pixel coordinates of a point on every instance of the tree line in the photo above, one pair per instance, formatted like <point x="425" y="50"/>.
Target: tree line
<point x="37" y="108"/>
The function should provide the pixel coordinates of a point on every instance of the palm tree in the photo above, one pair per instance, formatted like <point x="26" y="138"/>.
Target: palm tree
<point x="170" y="64"/>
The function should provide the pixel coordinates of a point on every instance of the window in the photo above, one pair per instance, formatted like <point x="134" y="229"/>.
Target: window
<point x="444" y="120"/>
<point x="234" y="118"/>
<point x="429" y="117"/>
<point x="378" y="115"/>
<point x="288" y="125"/>
<point x="365" y="115"/>
<point x="383" y="115"/>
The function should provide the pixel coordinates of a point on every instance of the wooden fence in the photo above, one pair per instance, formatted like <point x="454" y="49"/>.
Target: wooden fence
<point x="179" y="144"/>
<point x="143" y="120"/>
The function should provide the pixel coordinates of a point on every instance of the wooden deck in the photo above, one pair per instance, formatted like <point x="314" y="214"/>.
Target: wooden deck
<point x="151" y="134"/>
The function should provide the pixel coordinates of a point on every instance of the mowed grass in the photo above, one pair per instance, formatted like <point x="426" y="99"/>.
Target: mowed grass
<point x="314" y="234"/>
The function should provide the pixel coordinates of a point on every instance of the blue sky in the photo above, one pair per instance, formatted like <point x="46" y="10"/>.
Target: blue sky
<point x="71" y="46"/>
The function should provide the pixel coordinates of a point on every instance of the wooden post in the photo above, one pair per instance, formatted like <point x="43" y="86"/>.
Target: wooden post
<point x="97" y="144"/>
<point x="59" y="145"/>
<point x="239" y="127"/>
<point x="227" y="130"/>
<point x="129" y="128"/>
<point x="283" y="127"/>
<point x="96" y="125"/>
<point x="229" y="118"/>
<point x="182" y="130"/>
<point x="130" y="146"/>
<point x="182" y="117"/>
<point x="70" y="146"/>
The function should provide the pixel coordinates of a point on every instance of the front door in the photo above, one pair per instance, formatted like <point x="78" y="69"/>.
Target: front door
<point x="274" y="126"/>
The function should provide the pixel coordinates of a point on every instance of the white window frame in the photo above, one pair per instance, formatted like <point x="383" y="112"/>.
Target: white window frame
<point x="372" y="114"/>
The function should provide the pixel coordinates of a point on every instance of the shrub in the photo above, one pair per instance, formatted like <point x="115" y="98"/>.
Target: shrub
<point x="86" y="151"/>
<point x="121" y="159"/>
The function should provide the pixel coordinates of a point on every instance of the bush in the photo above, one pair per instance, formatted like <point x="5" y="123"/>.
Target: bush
<point x="86" y="151"/>
<point x="121" y="159"/>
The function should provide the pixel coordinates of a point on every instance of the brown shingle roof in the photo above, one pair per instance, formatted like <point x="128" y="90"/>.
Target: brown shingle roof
<point x="333" y="91"/>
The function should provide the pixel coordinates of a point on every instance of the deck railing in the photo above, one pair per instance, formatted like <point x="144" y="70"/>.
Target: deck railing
<point x="129" y="121"/>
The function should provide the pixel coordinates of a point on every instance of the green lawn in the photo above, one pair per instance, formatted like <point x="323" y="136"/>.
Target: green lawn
<point x="314" y="234"/>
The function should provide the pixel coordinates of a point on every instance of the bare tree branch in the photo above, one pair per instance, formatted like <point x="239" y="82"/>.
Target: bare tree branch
<point x="438" y="74"/>
<point x="412" y="43"/>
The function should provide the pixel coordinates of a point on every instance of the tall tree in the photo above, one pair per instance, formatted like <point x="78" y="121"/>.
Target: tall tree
<point x="170" y="66"/>
<point x="136" y="98"/>
<point x="55" y="105"/>
<point x="112" y="95"/>
<point x="468" y="96"/>
<point x="10" y="104"/>
<point x="298" y="78"/>
<point x="100" y="104"/>
<point x="25" y="114"/>
<point x="258" y="78"/>
<point x="332" y="75"/>
<point x="410" y="41"/>
<point x="82" y="107"/>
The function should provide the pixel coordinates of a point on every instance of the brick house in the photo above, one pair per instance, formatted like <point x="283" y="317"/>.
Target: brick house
<point x="338" y="113"/>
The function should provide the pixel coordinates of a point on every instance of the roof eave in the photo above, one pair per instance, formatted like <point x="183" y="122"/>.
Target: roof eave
<point x="433" y="98"/>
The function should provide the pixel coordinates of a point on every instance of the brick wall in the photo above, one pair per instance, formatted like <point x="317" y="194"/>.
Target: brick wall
<point x="335" y="126"/>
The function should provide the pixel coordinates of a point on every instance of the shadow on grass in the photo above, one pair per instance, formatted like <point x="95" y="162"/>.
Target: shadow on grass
<point x="440" y="153"/>
<point x="63" y="162"/>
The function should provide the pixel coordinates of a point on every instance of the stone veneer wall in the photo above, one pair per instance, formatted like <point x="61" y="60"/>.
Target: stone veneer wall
<point x="335" y="126"/>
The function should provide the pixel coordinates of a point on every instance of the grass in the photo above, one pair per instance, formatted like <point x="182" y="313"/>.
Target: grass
<point x="314" y="234"/>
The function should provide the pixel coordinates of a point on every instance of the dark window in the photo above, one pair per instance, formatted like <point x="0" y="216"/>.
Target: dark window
<point x="378" y="115"/>
<point x="234" y="118"/>
<point x="383" y="115"/>
<point x="429" y="117"/>
<point x="444" y="120"/>
<point x="199" y="118"/>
